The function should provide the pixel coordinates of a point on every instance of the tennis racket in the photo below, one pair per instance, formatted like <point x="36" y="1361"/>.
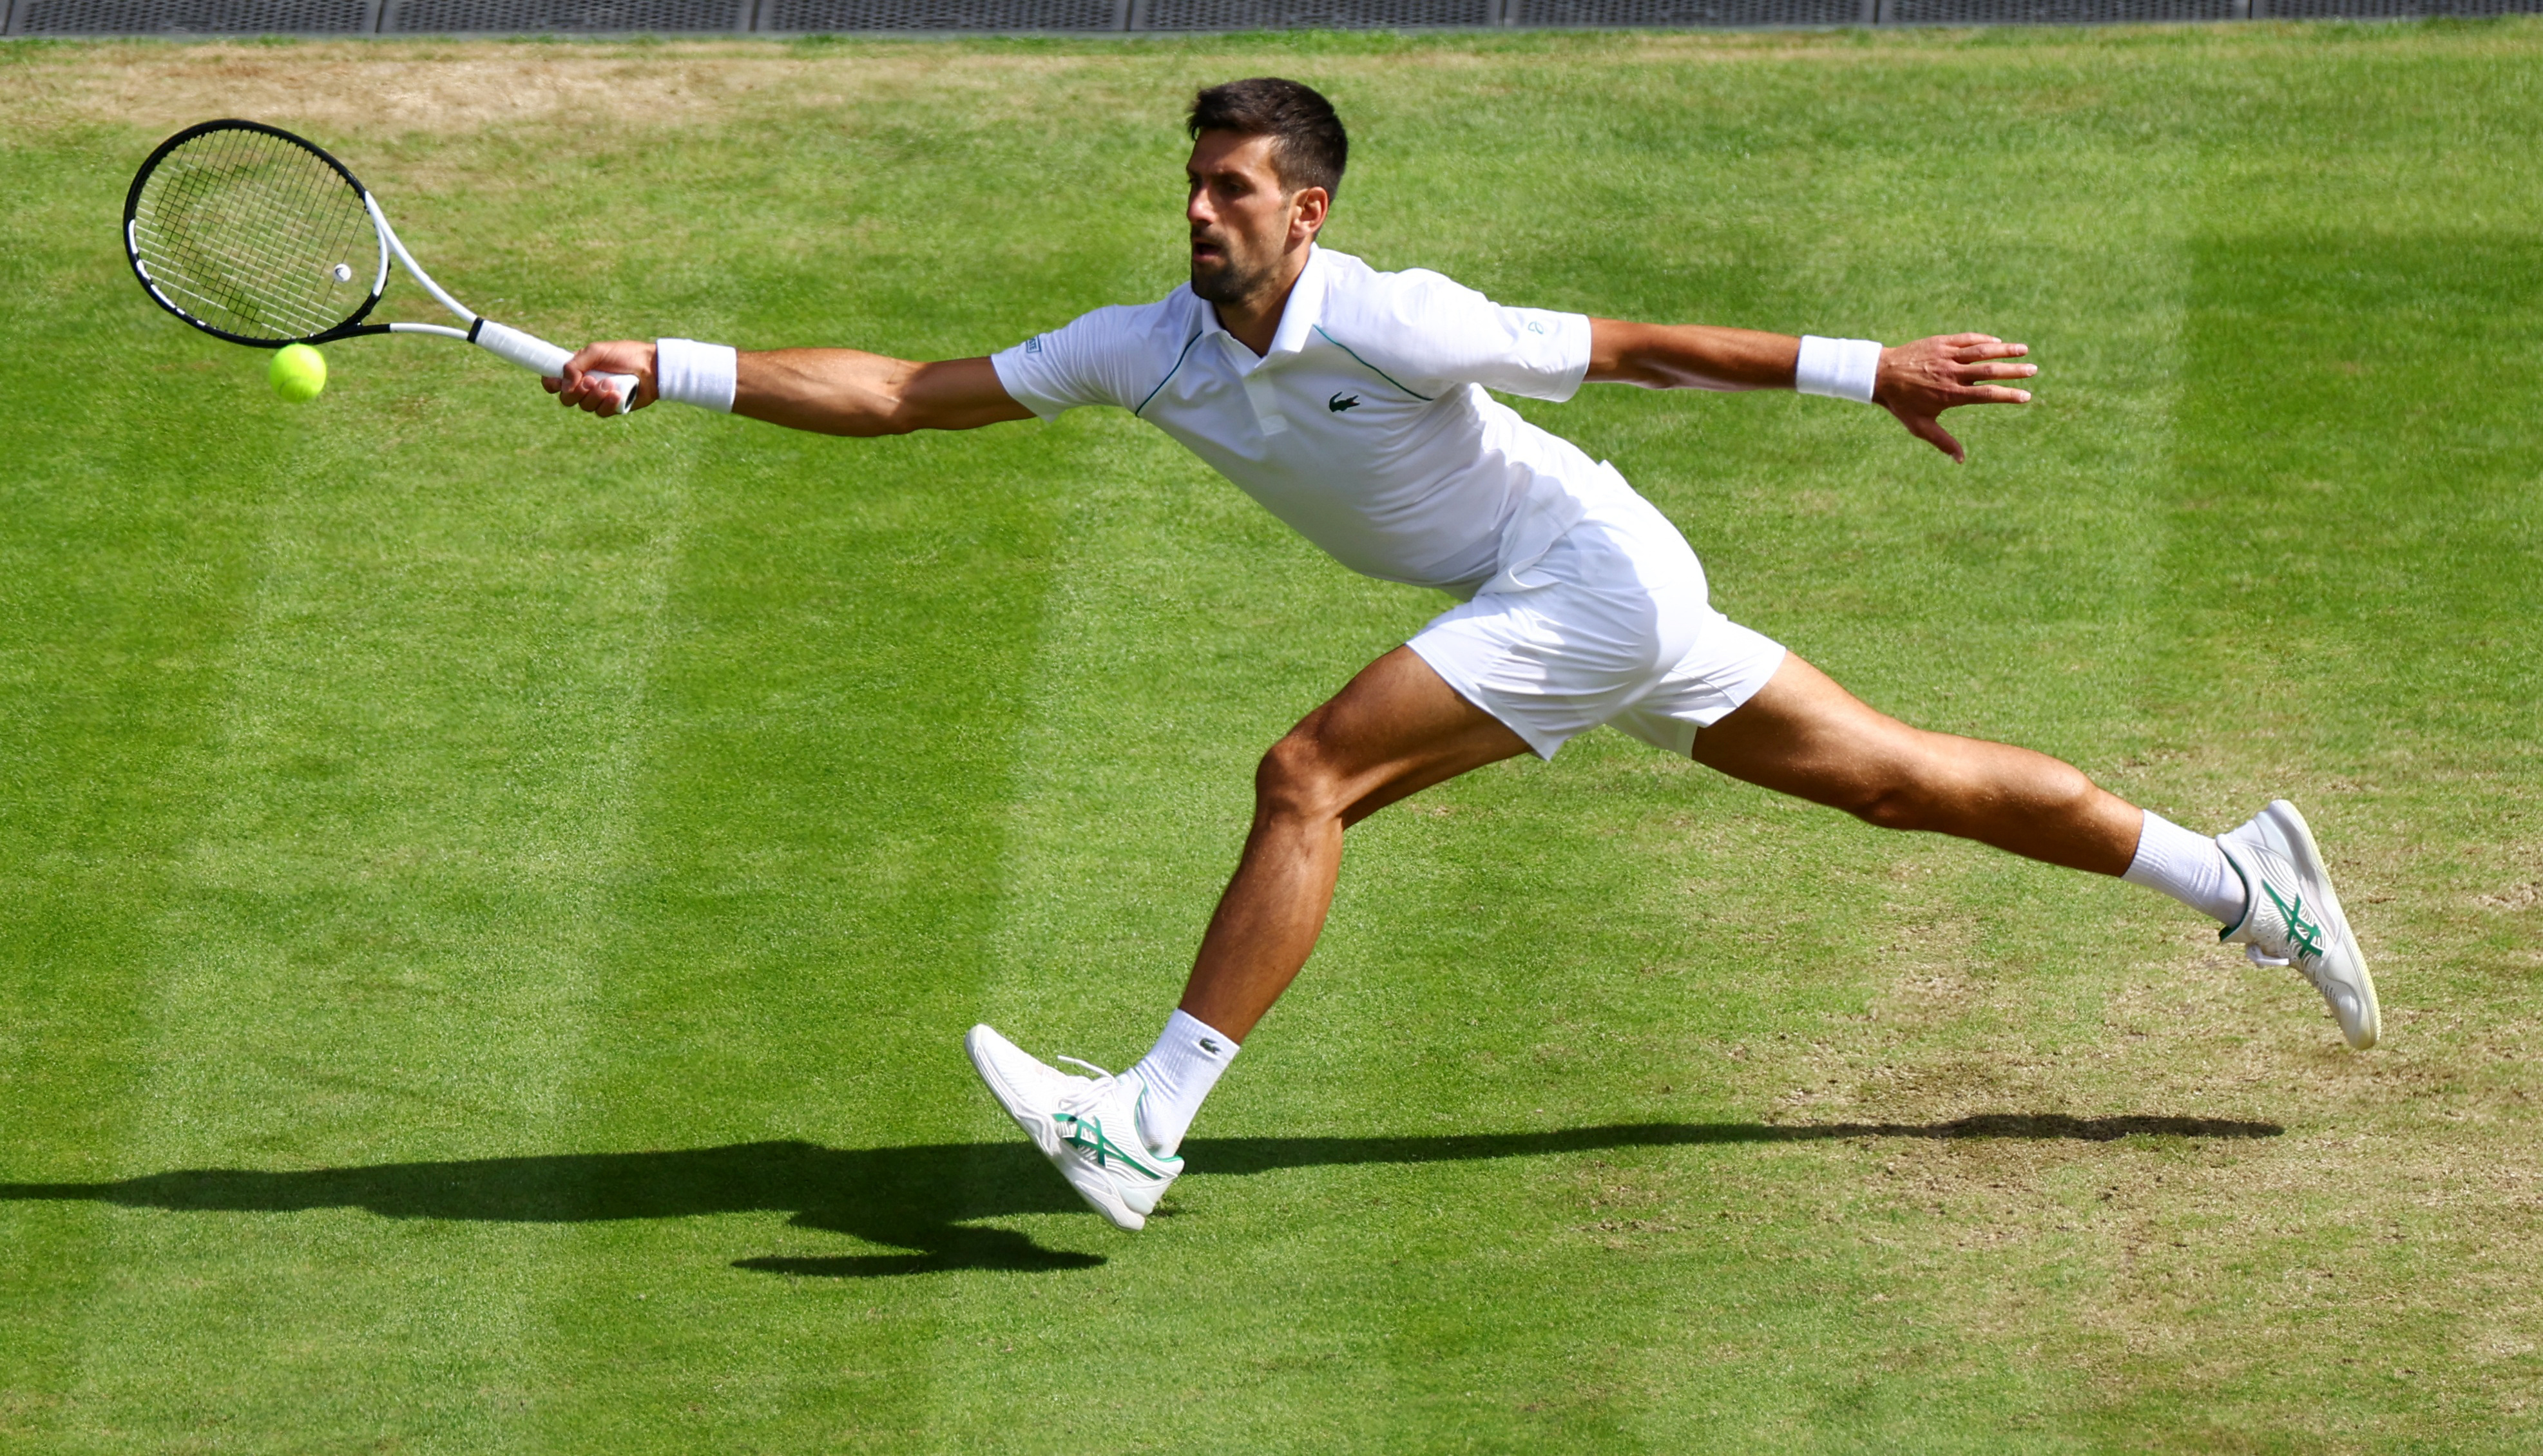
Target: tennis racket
<point x="253" y="235"/>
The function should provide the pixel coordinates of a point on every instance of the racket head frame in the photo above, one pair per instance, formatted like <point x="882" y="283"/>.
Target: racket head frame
<point x="511" y="345"/>
<point x="352" y="324"/>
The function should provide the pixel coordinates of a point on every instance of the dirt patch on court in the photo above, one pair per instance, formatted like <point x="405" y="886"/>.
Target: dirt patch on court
<point x="2515" y="898"/>
<point x="389" y="87"/>
<point x="375" y="91"/>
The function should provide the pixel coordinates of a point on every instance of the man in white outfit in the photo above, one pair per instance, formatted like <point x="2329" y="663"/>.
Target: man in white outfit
<point x="1353" y="404"/>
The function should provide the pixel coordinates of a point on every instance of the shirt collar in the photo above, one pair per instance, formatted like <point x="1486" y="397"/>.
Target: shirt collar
<point x="1298" y="317"/>
<point x="1305" y="308"/>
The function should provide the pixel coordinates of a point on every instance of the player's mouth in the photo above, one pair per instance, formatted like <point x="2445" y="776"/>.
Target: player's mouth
<point x="1204" y="250"/>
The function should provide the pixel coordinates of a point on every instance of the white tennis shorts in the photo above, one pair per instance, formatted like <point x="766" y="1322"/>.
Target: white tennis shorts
<point x="1620" y="630"/>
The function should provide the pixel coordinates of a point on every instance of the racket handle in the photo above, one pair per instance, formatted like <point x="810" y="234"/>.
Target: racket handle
<point x="530" y="351"/>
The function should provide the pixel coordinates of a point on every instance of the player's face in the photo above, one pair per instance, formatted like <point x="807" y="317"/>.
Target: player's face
<point x="1242" y="219"/>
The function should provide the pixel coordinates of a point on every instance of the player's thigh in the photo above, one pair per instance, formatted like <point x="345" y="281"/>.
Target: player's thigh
<point x="1805" y="735"/>
<point x="1395" y="730"/>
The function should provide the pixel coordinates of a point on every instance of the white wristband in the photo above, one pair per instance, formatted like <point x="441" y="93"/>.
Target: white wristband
<point x="1841" y="369"/>
<point x="692" y="373"/>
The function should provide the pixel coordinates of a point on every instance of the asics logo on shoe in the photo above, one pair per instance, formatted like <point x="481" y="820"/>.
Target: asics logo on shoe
<point x="1340" y="401"/>
<point x="2304" y="933"/>
<point x="1084" y="1133"/>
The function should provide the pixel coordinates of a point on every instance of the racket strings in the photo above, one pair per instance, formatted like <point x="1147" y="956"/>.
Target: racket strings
<point x="245" y="231"/>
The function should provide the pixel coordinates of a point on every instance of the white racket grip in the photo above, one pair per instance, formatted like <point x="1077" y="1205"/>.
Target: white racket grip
<point x="532" y="353"/>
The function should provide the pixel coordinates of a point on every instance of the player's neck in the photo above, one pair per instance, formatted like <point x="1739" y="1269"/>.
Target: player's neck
<point x="1256" y="322"/>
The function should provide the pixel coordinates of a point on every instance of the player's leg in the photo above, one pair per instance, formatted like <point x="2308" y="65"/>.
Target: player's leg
<point x="1805" y="735"/>
<point x="1396" y="730"/>
<point x="1802" y="734"/>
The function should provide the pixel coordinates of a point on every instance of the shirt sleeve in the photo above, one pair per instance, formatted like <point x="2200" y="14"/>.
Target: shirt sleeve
<point x="1445" y="334"/>
<point x="1076" y="364"/>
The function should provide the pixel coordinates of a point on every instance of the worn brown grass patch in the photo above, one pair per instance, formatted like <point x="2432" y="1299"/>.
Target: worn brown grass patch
<point x="602" y="88"/>
<point x="387" y="90"/>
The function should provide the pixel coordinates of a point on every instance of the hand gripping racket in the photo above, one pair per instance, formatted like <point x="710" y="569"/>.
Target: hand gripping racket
<point x="253" y="235"/>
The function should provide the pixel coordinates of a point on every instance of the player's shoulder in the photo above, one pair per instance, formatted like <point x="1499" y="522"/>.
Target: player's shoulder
<point x="1350" y="278"/>
<point x="1134" y="326"/>
<point x="1113" y="354"/>
<point x="1356" y="294"/>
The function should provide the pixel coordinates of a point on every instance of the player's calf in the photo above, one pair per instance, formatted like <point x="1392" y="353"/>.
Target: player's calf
<point x="1805" y="735"/>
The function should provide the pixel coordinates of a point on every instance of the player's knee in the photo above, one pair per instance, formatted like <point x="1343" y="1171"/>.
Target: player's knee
<point x="1296" y="779"/>
<point x="1909" y="791"/>
<point x="1896" y="803"/>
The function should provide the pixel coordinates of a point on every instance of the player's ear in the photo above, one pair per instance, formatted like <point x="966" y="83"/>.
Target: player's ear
<point x="1308" y="212"/>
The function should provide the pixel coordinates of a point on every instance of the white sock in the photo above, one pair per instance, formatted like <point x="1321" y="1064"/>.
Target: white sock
<point x="2188" y="866"/>
<point x="1178" y="1072"/>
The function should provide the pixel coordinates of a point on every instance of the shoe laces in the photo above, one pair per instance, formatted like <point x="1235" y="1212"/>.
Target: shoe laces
<point x="1079" y="1099"/>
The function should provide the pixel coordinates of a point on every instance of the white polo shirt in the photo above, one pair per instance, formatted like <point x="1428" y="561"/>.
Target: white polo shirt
<point x="1367" y="427"/>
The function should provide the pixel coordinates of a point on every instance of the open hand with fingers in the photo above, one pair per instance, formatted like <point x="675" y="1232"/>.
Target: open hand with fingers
<point x="1918" y="381"/>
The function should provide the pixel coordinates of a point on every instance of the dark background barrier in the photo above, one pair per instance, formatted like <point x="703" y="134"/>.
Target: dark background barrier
<point x="818" y="17"/>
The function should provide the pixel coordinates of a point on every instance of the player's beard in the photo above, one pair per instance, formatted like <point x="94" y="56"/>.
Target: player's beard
<point x="1231" y="281"/>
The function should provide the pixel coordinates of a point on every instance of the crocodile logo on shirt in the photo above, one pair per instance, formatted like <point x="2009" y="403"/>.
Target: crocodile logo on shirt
<point x="1340" y="401"/>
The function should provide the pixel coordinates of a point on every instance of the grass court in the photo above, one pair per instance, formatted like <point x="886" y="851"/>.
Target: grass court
<point x="489" y="900"/>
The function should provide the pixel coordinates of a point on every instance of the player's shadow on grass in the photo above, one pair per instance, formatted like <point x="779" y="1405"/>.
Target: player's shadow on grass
<point x="928" y="1198"/>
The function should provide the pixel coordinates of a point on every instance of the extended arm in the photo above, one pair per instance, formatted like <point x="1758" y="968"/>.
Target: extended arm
<point x="830" y="391"/>
<point x="1916" y="382"/>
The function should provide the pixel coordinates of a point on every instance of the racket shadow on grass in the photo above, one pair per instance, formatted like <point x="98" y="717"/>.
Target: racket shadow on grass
<point x="927" y="1198"/>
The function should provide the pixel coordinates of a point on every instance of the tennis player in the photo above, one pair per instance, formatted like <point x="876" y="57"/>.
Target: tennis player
<point x="1356" y="405"/>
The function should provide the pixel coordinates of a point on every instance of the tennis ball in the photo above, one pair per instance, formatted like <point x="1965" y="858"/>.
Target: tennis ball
<point x="298" y="373"/>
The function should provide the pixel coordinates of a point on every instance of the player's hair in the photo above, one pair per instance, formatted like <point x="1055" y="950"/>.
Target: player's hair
<point x="1308" y="147"/>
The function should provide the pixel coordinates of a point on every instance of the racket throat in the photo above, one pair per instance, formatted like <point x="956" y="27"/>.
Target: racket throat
<point x="406" y="260"/>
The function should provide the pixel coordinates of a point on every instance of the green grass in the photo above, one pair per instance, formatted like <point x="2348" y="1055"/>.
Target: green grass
<point x="489" y="900"/>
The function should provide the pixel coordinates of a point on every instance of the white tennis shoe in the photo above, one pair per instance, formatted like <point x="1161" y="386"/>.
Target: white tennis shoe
<point x="1087" y="1126"/>
<point x="2293" y="918"/>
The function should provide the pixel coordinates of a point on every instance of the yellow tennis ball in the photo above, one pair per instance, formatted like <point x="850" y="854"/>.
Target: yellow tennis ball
<point x="298" y="373"/>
